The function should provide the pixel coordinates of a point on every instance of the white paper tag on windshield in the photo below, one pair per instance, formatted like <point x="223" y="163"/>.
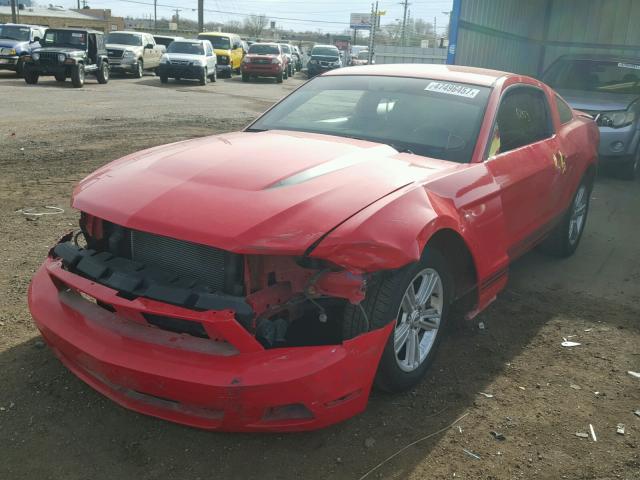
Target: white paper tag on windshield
<point x="452" y="89"/>
<point x="629" y="65"/>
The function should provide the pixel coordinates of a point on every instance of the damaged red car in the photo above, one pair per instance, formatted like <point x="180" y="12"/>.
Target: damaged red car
<point x="266" y="279"/>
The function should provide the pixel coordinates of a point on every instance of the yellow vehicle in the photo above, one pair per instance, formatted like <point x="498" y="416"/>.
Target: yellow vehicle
<point x="229" y="51"/>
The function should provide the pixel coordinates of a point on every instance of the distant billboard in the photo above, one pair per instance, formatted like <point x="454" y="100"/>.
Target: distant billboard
<point x="361" y="21"/>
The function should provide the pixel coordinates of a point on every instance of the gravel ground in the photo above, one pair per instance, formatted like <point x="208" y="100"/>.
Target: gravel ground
<point x="52" y="426"/>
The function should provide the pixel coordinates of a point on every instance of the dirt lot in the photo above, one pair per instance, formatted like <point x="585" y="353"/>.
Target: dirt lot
<point x="52" y="426"/>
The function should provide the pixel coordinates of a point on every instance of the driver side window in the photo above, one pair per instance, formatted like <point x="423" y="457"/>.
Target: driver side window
<point x="523" y="118"/>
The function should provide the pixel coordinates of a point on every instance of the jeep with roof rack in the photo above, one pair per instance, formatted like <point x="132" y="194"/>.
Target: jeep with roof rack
<point x="69" y="53"/>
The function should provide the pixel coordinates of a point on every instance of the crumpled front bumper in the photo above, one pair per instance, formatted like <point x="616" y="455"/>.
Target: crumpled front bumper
<point x="225" y="382"/>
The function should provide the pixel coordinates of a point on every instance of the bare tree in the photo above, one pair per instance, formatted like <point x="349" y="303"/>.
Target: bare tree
<point x="254" y="25"/>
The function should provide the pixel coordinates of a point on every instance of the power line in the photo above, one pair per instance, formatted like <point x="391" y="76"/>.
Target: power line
<point x="137" y="2"/>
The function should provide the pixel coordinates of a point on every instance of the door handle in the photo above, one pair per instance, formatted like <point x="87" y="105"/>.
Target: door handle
<point x="560" y="162"/>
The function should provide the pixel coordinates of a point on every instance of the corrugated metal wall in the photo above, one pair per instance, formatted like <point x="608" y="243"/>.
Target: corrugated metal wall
<point x="501" y="34"/>
<point x="594" y="26"/>
<point x="525" y="36"/>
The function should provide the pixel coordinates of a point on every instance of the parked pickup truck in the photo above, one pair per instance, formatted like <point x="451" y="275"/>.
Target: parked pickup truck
<point x="133" y="52"/>
<point x="16" y="42"/>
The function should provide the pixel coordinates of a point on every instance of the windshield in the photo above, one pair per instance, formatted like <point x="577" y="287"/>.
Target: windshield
<point x="64" y="38"/>
<point x="125" y="39"/>
<point x="325" y="51"/>
<point x="14" y="32"/>
<point x="264" y="49"/>
<point x="595" y="76"/>
<point x="285" y="48"/>
<point x="192" y="48"/>
<point x="221" y="43"/>
<point x="363" y="55"/>
<point x="430" y="118"/>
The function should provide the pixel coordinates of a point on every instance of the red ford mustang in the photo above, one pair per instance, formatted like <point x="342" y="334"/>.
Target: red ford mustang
<point x="265" y="279"/>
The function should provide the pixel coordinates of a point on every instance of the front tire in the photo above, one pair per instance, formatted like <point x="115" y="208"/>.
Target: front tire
<point x="31" y="77"/>
<point x="164" y="79"/>
<point x="279" y="78"/>
<point x="245" y="77"/>
<point x="214" y="77"/>
<point x="204" y="77"/>
<point x="103" y="73"/>
<point x="77" y="76"/>
<point x="140" y="70"/>
<point x="564" y="239"/>
<point x="417" y="297"/>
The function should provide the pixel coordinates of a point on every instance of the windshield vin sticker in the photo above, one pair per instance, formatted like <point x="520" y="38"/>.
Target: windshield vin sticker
<point x="629" y="65"/>
<point x="452" y="89"/>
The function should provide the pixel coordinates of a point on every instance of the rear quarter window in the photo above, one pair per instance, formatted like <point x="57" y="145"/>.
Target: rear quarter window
<point x="564" y="110"/>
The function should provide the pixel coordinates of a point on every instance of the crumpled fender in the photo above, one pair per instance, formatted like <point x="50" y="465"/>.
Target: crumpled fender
<point x="390" y="233"/>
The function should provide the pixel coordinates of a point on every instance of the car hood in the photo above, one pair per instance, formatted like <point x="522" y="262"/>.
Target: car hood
<point x="184" y="56"/>
<point x="324" y="58"/>
<point x="58" y="50"/>
<point x="262" y="55"/>
<point x="123" y="47"/>
<point x="7" y="43"/>
<point x="245" y="192"/>
<point x="597" y="101"/>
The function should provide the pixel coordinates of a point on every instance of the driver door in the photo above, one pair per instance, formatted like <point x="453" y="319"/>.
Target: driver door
<point x="521" y="160"/>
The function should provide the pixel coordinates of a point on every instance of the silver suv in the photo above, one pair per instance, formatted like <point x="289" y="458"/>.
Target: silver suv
<point x="189" y="59"/>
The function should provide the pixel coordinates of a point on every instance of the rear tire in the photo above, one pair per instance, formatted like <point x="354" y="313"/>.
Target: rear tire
<point x="103" y="73"/>
<point x="630" y="170"/>
<point x="77" y="76"/>
<point x="420" y="323"/>
<point x="563" y="240"/>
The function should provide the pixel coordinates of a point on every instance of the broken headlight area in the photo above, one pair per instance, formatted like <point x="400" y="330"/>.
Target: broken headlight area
<point x="281" y="301"/>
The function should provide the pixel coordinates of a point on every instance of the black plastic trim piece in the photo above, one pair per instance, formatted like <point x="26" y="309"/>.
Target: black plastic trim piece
<point x="133" y="279"/>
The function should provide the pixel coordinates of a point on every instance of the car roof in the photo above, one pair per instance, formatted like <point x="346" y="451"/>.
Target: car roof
<point x="273" y="44"/>
<point x="217" y="34"/>
<point x="133" y="32"/>
<point x="22" y="25"/>
<point x="326" y="46"/>
<point x="453" y="73"/>
<point x="72" y="29"/>
<point x="598" y="57"/>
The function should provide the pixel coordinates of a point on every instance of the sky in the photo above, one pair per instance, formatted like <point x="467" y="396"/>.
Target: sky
<point x="326" y="15"/>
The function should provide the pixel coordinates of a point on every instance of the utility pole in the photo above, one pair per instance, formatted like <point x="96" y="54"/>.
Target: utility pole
<point x="435" y="32"/>
<point x="78" y="4"/>
<point x="201" y="15"/>
<point x="372" y="32"/>
<point x="13" y="12"/>
<point x="177" y="10"/>
<point x="405" y="6"/>
<point x="155" y="16"/>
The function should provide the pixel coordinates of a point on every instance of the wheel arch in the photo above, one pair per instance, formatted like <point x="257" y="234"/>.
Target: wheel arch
<point x="455" y="250"/>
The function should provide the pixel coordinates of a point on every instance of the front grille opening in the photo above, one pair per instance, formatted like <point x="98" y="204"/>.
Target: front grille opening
<point x="177" y="325"/>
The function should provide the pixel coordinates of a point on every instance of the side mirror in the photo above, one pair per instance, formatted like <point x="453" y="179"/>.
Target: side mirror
<point x="150" y="45"/>
<point x="35" y="39"/>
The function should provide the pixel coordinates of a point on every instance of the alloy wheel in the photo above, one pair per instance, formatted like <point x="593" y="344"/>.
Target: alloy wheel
<point x="578" y="214"/>
<point x="419" y="318"/>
